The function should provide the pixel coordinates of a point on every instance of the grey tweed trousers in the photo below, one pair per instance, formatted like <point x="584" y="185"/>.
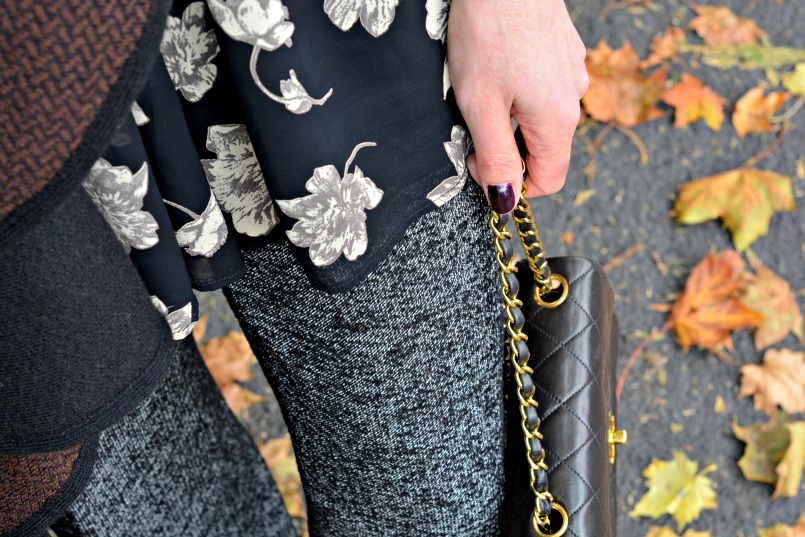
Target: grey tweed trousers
<point x="393" y="391"/>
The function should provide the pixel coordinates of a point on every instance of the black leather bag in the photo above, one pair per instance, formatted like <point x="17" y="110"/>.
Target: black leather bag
<point x="565" y="448"/>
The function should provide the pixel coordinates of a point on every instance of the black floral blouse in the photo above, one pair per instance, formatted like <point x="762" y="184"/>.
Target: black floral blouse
<point x="328" y="123"/>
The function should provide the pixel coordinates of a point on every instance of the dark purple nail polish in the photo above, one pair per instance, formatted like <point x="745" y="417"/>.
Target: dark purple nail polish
<point x="501" y="197"/>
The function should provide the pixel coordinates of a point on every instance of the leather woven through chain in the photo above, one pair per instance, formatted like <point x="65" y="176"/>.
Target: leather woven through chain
<point x="518" y="351"/>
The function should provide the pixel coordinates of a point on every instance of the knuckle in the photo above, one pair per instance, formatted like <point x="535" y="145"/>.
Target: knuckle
<point x="584" y="82"/>
<point x="496" y="164"/>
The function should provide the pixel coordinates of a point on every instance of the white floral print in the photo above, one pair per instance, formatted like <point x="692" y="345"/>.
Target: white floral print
<point x="436" y="21"/>
<point x="188" y="51"/>
<point x="332" y="219"/>
<point x="446" y="82"/>
<point x="264" y="25"/>
<point x="206" y="233"/>
<point x="119" y="194"/>
<point x="375" y="15"/>
<point x="456" y="149"/>
<point x="139" y="115"/>
<point x="237" y="181"/>
<point x="180" y="321"/>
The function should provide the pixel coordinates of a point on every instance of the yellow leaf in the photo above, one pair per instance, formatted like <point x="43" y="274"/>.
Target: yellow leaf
<point x="795" y="82"/>
<point x="773" y="297"/>
<point x="766" y="443"/>
<point x="708" y="309"/>
<point x="677" y="489"/>
<point x="779" y="381"/>
<point x="582" y="196"/>
<point x="789" y="471"/>
<point x="717" y="25"/>
<point x="662" y="531"/>
<point x="754" y="110"/>
<point x="781" y="530"/>
<point x="693" y="101"/>
<point x="745" y="199"/>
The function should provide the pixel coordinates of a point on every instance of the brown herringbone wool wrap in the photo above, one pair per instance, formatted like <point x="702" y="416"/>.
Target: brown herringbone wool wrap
<point x="66" y="76"/>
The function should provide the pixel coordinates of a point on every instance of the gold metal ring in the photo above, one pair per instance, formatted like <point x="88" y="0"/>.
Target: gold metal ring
<point x="556" y="303"/>
<point x="561" y="531"/>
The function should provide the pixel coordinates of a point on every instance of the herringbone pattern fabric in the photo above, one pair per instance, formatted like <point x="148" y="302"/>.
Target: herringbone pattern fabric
<point x="58" y="64"/>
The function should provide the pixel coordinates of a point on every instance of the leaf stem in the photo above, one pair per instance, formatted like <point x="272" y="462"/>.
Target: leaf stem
<point x="768" y="150"/>
<point x="274" y="97"/>
<point x="637" y="142"/>
<point x="185" y="210"/>
<point x="653" y="336"/>
<point x="790" y="112"/>
<point x="354" y="154"/>
<point x="599" y="139"/>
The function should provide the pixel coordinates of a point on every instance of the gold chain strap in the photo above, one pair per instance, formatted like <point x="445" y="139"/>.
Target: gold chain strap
<point x="519" y="354"/>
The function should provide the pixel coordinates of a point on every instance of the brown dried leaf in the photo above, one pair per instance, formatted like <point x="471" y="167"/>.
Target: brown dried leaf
<point x="745" y="199"/>
<point x="708" y="310"/>
<point x="694" y="101"/>
<point x="754" y="110"/>
<point x="717" y="25"/>
<point x="618" y="91"/>
<point x="773" y="297"/>
<point x="664" y="46"/>
<point x="779" y="381"/>
<point x="200" y="329"/>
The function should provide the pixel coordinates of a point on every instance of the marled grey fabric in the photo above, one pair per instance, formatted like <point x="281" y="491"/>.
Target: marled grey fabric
<point x="392" y="391"/>
<point x="179" y="465"/>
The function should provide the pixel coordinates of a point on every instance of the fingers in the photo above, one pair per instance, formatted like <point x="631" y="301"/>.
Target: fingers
<point x="549" y="139"/>
<point x="496" y="164"/>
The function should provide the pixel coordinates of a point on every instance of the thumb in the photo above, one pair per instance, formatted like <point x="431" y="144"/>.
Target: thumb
<point x="496" y="164"/>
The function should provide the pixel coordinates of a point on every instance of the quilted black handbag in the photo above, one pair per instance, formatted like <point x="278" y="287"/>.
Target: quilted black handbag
<point x="562" y="346"/>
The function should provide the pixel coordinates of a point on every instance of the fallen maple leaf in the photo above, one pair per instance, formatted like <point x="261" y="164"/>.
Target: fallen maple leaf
<point x="782" y="530"/>
<point x="278" y="456"/>
<point x="693" y="101"/>
<point x="779" y="381"/>
<point x="229" y="359"/>
<point x="766" y="443"/>
<point x="718" y="25"/>
<point x="773" y="297"/>
<point x="618" y="91"/>
<point x="200" y="329"/>
<point x="795" y="82"/>
<point x="790" y="469"/>
<point x="662" y="531"/>
<point x="754" y="110"/>
<point x="677" y="489"/>
<point x="664" y="47"/>
<point x="745" y="199"/>
<point x="708" y="309"/>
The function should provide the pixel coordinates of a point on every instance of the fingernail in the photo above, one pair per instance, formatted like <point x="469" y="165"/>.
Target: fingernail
<point x="501" y="197"/>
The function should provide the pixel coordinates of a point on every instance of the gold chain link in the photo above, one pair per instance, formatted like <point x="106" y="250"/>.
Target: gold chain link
<point x="538" y="265"/>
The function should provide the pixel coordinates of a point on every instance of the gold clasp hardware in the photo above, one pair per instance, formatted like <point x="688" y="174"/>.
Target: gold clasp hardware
<point x="616" y="437"/>
<point x="562" y="296"/>
<point x="535" y="525"/>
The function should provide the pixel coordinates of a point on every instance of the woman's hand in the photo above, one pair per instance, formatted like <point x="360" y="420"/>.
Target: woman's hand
<point x="521" y="59"/>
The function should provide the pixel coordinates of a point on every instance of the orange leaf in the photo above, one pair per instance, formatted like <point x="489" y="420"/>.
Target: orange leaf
<point x="200" y="329"/>
<point x="229" y="359"/>
<point x="707" y="310"/>
<point x="773" y="297"/>
<point x="278" y="455"/>
<point x="618" y="91"/>
<point x="717" y="25"/>
<point x="753" y="111"/>
<point x="664" y="46"/>
<point x="779" y="381"/>
<point x="745" y="199"/>
<point x="694" y="101"/>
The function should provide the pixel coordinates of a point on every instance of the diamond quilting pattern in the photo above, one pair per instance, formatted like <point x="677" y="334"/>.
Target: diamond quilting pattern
<point x="573" y="360"/>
